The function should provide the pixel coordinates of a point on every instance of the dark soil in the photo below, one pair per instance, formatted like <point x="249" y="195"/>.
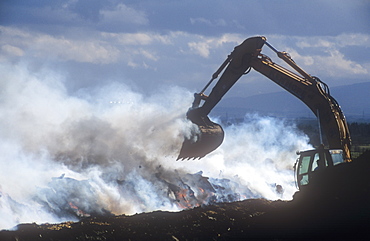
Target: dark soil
<point x="334" y="207"/>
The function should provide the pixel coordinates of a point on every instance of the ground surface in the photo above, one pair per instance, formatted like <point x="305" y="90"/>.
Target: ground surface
<point x="335" y="207"/>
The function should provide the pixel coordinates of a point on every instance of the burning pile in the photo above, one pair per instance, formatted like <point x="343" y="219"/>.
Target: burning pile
<point x="65" y="157"/>
<point x="322" y="212"/>
<point x="186" y="192"/>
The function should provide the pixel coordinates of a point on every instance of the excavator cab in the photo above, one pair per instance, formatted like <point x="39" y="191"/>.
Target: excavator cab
<point x="312" y="162"/>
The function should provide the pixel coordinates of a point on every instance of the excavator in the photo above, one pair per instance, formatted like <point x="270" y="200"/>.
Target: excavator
<point x="309" y="89"/>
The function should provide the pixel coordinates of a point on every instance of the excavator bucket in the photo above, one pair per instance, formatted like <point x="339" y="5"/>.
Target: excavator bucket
<point x="210" y="136"/>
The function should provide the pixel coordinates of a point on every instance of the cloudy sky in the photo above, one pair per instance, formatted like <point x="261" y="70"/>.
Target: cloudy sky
<point x="150" y="45"/>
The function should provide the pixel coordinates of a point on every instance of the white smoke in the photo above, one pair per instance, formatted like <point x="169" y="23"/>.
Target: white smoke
<point x="114" y="152"/>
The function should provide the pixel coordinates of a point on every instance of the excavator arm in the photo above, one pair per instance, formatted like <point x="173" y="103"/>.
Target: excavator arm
<point x="315" y="94"/>
<point x="310" y="90"/>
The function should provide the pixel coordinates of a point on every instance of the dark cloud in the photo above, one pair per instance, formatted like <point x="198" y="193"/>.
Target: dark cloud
<point x="274" y="17"/>
<point x="201" y="17"/>
<point x="88" y="9"/>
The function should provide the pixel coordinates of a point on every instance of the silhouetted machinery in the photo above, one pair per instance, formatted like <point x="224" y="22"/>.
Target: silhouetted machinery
<point x="309" y="89"/>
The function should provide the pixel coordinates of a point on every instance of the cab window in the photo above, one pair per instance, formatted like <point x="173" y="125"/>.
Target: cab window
<point x="337" y="156"/>
<point x="303" y="170"/>
<point x="315" y="165"/>
<point x="304" y="165"/>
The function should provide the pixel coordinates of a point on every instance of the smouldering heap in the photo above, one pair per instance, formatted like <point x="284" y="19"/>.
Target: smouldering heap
<point x="66" y="156"/>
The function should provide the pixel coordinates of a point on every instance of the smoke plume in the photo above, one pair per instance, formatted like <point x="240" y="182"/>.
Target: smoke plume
<point x="113" y="151"/>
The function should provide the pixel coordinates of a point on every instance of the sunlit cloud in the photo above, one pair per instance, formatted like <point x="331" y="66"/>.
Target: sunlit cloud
<point x="339" y="41"/>
<point x="40" y="45"/>
<point x="204" y="45"/>
<point x="335" y="64"/>
<point x="140" y="38"/>
<point x="10" y="50"/>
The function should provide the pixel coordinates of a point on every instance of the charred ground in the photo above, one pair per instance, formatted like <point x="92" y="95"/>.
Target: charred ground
<point x="336" y="206"/>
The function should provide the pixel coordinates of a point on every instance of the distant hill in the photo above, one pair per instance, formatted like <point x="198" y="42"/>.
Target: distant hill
<point x="354" y="100"/>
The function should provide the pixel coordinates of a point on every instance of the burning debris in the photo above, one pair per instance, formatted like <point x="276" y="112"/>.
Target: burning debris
<point x="322" y="212"/>
<point x="66" y="198"/>
<point x="89" y="158"/>
<point x="183" y="191"/>
<point x="194" y="190"/>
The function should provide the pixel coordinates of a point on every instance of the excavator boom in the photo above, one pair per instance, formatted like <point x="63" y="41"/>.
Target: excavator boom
<point x="310" y="90"/>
